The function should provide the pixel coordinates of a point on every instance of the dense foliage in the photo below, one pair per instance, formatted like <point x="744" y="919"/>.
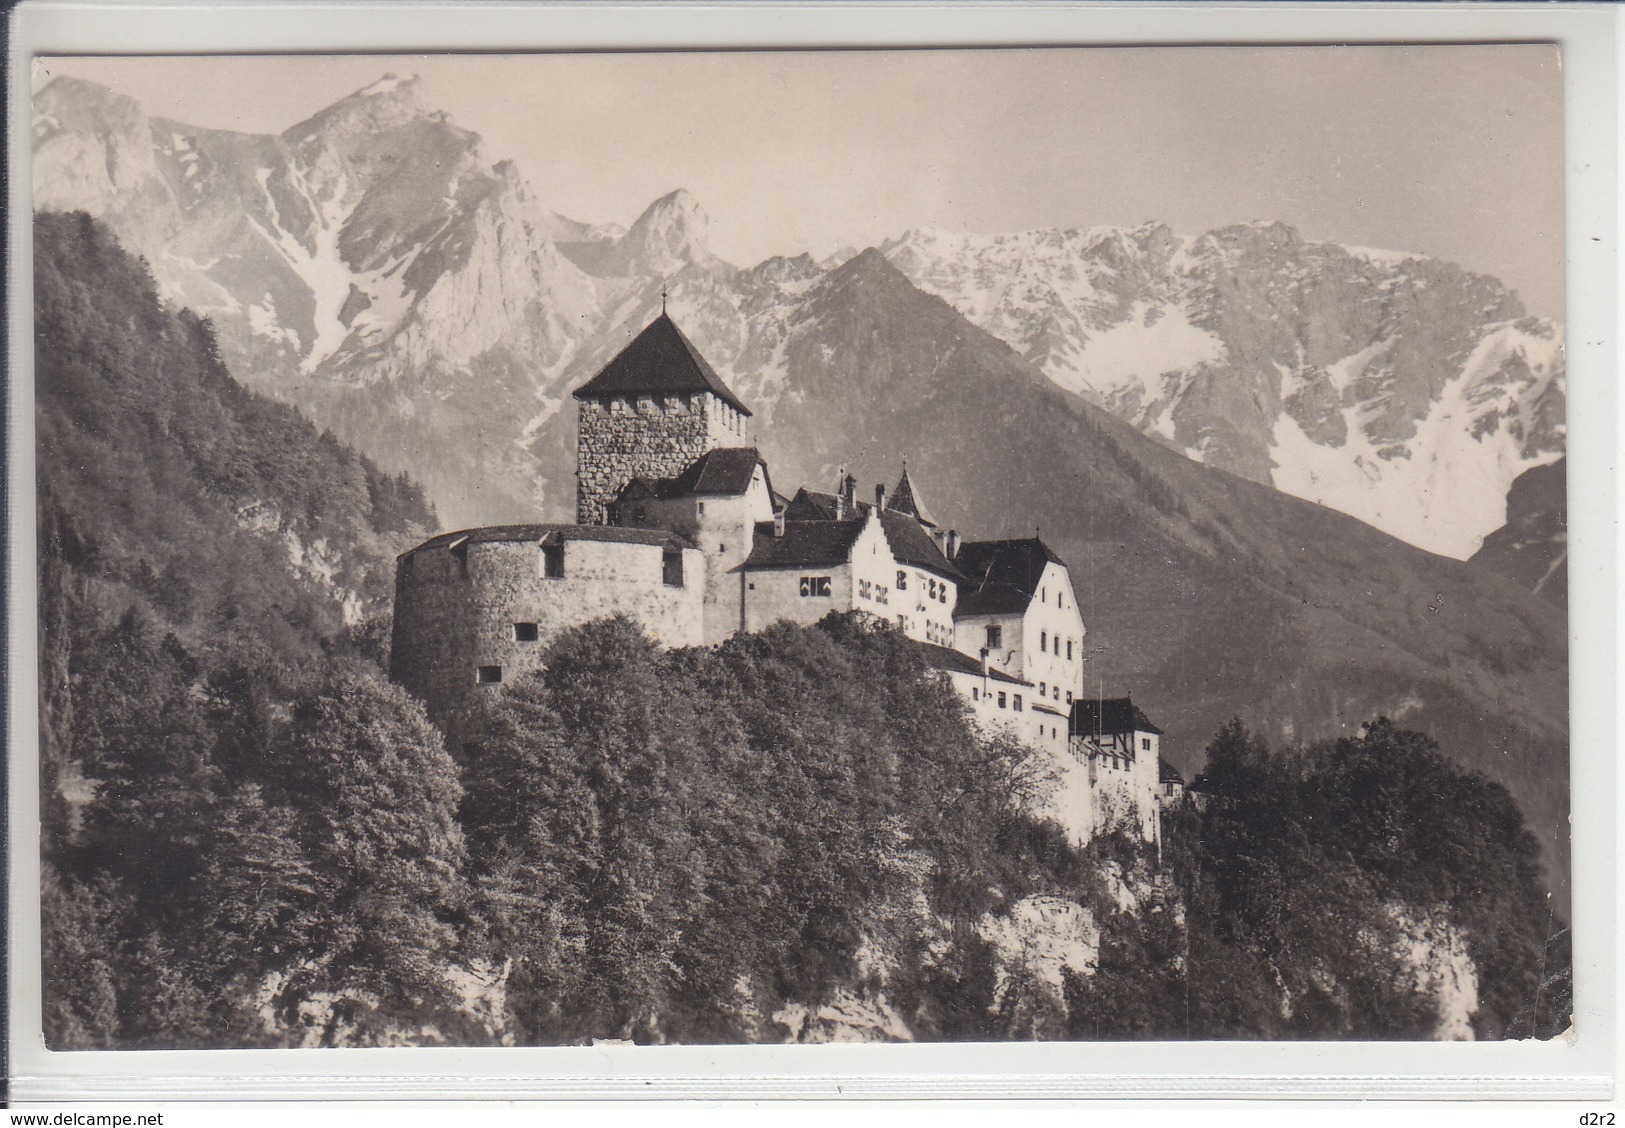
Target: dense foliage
<point x="212" y="572"/>
<point x="1310" y="881"/>
<point x="674" y="844"/>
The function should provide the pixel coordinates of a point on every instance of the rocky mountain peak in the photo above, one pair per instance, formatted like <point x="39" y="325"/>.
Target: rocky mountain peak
<point x="75" y="101"/>
<point x="672" y="231"/>
<point x="385" y="121"/>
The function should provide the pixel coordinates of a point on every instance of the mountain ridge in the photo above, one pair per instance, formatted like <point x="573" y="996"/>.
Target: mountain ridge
<point x="396" y="284"/>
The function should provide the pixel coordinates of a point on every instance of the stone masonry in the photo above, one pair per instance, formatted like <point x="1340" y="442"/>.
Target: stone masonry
<point x="654" y="436"/>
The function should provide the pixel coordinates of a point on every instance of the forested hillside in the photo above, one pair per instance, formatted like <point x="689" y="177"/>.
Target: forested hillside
<point x="210" y="566"/>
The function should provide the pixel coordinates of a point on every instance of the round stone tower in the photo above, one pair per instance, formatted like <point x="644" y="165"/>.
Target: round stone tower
<point x="477" y="608"/>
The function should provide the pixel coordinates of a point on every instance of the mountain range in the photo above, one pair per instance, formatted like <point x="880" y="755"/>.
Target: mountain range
<point x="370" y="267"/>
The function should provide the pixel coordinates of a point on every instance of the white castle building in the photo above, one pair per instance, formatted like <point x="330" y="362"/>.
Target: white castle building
<point x="679" y="528"/>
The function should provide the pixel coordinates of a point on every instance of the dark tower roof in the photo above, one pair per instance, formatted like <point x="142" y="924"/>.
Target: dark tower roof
<point x="1004" y="574"/>
<point x="1114" y="715"/>
<point x="660" y="360"/>
<point x="906" y="499"/>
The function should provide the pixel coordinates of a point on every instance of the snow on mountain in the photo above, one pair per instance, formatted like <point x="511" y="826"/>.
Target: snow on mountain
<point x="1396" y="388"/>
<point x="372" y="266"/>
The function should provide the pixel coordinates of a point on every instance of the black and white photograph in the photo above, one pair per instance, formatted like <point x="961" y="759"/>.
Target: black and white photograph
<point x="691" y="548"/>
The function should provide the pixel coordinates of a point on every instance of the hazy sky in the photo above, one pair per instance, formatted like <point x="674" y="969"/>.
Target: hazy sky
<point x="1450" y="151"/>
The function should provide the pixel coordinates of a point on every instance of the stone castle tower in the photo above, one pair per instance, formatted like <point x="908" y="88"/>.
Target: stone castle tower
<point x="650" y="413"/>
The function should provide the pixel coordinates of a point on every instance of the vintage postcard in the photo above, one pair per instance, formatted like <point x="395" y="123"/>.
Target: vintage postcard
<point x="771" y="548"/>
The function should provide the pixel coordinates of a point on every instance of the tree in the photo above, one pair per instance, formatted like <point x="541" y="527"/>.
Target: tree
<point x="380" y="796"/>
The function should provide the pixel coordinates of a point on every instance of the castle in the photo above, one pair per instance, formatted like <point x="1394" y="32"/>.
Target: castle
<point x="679" y="528"/>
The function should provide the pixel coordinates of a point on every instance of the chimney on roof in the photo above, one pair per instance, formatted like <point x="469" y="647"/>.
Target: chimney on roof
<point x="840" y="494"/>
<point x="778" y="523"/>
<point x="880" y="495"/>
<point x="953" y="543"/>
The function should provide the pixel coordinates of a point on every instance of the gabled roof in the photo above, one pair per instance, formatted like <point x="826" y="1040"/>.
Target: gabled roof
<point x="724" y="471"/>
<point x="1167" y="773"/>
<point x="912" y="545"/>
<point x="553" y="534"/>
<point x="909" y="542"/>
<point x="906" y="499"/>
<point x="805" y="544"/>
<point x="660" y="360"/>
<point x="1003" y="575"/>
<point x="1114" y="715"/>
<point x="943" y="658"/>
<point x="810" y="505"/>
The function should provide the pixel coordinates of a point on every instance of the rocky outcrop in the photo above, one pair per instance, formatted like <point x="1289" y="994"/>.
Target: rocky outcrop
<point x="1532" y="548"/>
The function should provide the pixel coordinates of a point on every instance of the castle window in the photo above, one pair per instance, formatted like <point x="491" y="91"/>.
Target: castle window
<point x="931" y="589"/>
<point x="1043" y="641"/>
<point x="1069" y="650"/>
<point x="814" y="587"/>
<point x="902" y="581"/>
<point x="525" y="632"/>
<point x="1069" y="697"/>
<point x="975" y="694"/>
<point x="1016" y="704"/>
<point x="699" y="508"/>
<point x="671" y="567"/>
<point x="1145" y="743"/>
<point x="942" y="594"/>
<point x="489" y="675"/>
<point x="1043" y="689"/>
<point x="1001" y="699"/>
<point x="553" y="561"/>
<point x="995" y="636"/>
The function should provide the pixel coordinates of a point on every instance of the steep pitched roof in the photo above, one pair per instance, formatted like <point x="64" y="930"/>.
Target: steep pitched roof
<point x="553" y="534"/>
<point x="1003" y="574"/>
<point x="906" y="499"/>
<point x="907" y="539"/>
<point x="1114" y="715"/>
<point x="943" y="658"/>
<point x="810" y="505"/>
<point x="1167" y="773"/>
<point x="912" y="545"/>
<point x="659" y="360"/>
<point x="805" y="544"/>
<point x="725" y="471"/>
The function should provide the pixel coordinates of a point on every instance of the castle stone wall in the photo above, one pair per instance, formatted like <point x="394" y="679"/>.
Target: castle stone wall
<point x="456" y="611"/>
<point x="625" y="437"/>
